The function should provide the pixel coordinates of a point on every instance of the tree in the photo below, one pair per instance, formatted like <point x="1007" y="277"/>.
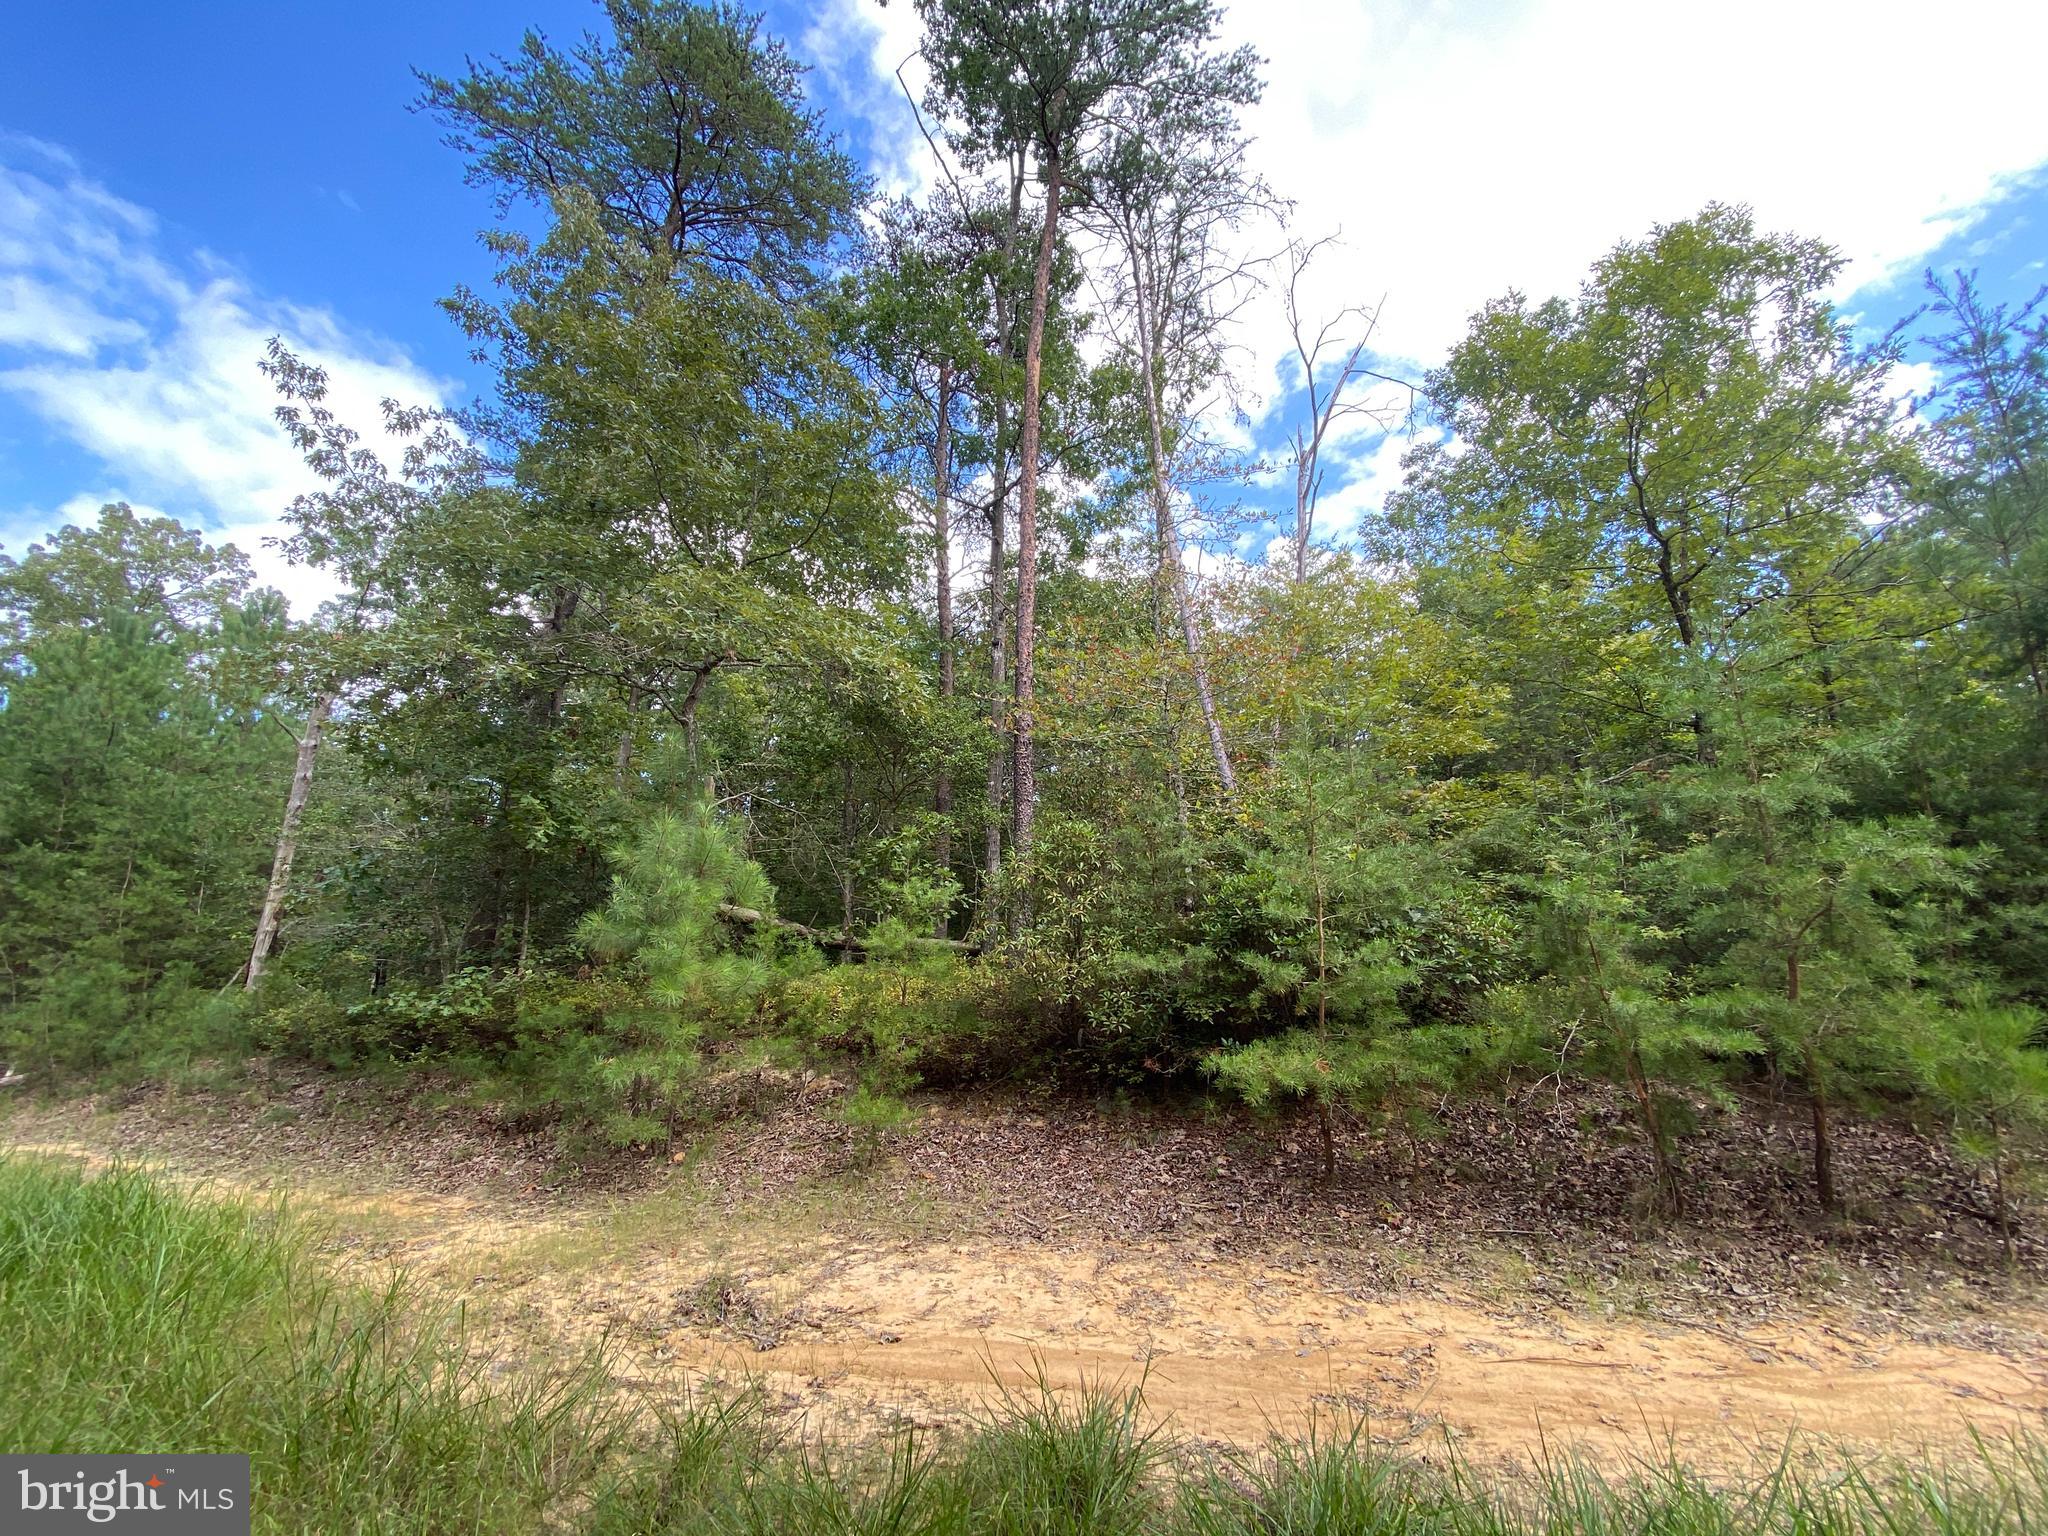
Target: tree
<point x="677" y="873"/>
<point x="1990" y="491"/>
<point x="1169" y="195"/>
<point x="1361" y="930"/>
<point x="137" y="751"/>
<point x="1327" y="402"/>
<point x="685" y="130"/>
<point x="916" y="318"/>
<point x="1973" y="689"/>
<point x="1984" y="1069"/>
<point x="1807" y="910"/>
<point x="352" y="528"/>
<point x="1330" y="857"/>
<point x="1695" y="435"/>
<point x="678" y="489"/>
<point x="1046" y="78"/>
<point x="1601" y="1000"/>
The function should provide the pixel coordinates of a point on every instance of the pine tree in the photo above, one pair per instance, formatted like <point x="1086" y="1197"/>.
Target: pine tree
<point x="1985" y="1068"/>
<point x="674" y="877"/>
<point x="1804" y="910"/>
<point x="1602" y="1001"/>
<point x="1046" y="78"/>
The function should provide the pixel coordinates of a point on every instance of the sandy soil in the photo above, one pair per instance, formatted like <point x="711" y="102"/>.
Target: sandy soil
<point x="845" y="1333"/>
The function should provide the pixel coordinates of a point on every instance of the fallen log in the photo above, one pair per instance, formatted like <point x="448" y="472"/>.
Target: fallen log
<point x="9" y="1077"/>
<point x="829" y="940"/>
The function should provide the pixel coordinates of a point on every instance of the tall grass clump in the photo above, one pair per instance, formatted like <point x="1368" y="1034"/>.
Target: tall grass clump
<point x="135" y="1317"/>
<point x="1036" y="1463"/>
<point x="1338" y="1486"/>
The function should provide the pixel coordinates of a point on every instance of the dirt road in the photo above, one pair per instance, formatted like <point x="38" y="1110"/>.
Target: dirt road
<point x="844" y="1332"/>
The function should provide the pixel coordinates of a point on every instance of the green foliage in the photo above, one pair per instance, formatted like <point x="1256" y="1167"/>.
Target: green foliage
<point x="466" y="1012"/>
<point x="133" y="1315"/>
<point x="1601" y="1002"/>
<point x="666" y="921"/>
<point x="907" y="1009"/>
<point x="685" y="127"/>
<point x="140" y="751"/>
<point x="1683" y="719"/>
<point x="1976" y="711"/>
<point x="1809" y="921"/>
<point x="1047" y="75"/>
<point x="1984" y="1067"/>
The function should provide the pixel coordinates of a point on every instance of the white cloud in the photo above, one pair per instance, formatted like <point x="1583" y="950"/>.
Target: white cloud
<point x="36" y="316"/>
<point x="855" y="49"/>
<point x="1464" y="150"/>
<point x="1358" y="483"/>
<point x="145" y="357"/>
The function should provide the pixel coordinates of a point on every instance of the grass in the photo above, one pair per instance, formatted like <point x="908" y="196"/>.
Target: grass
<point x="134" y="1316"/>
<point x="137" y="1318"/>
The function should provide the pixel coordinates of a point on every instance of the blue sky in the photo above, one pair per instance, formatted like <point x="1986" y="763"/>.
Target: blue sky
<point x="178" y="181"/>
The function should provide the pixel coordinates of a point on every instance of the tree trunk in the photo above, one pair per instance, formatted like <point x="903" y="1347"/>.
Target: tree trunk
<point x="1823" y="1144"/>
<point x="846" y="849"/>
<point x="1169" y="537"/>
<point x="1823" y="1154"/>
<point x="942" y="554"/>
<point x="1304" y="471"/>
<point x="998" y="671"/>
<point x="998" y="515"/>
<point x="623" y="768"/>
<point x="1023" y="779"/>
<point x="1668" y="1188"/>
<point x="2001" y="1205"/>
<point x="1823" y="1140"/>
<point x="287" y="840"/>
<point x="526" y="917"/>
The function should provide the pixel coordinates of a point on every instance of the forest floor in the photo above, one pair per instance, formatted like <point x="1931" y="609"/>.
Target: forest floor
<point x="1501" y="1287"/>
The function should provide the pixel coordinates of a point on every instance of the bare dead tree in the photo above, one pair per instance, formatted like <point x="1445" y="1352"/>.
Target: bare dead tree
<point x="287" y="840"/>
<point x="1331" y="398"/>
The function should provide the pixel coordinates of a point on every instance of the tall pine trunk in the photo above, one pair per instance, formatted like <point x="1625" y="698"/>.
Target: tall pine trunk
<point x="287" y="840"/>
<point x="1823" y="1139"/>
<point x="942" y="554"/>
<point x="999" y="676"/>
<point x="998" y="517"/>
<point x="1023" y="778"/>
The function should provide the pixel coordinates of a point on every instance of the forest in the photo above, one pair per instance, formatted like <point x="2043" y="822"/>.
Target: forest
<point x="825" y="646"/>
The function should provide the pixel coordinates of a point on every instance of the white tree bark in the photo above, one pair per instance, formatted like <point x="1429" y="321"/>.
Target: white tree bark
<point x="1169" y="537"/>
<point x="288" y="840"/>
<point x="1023" y="776"/>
